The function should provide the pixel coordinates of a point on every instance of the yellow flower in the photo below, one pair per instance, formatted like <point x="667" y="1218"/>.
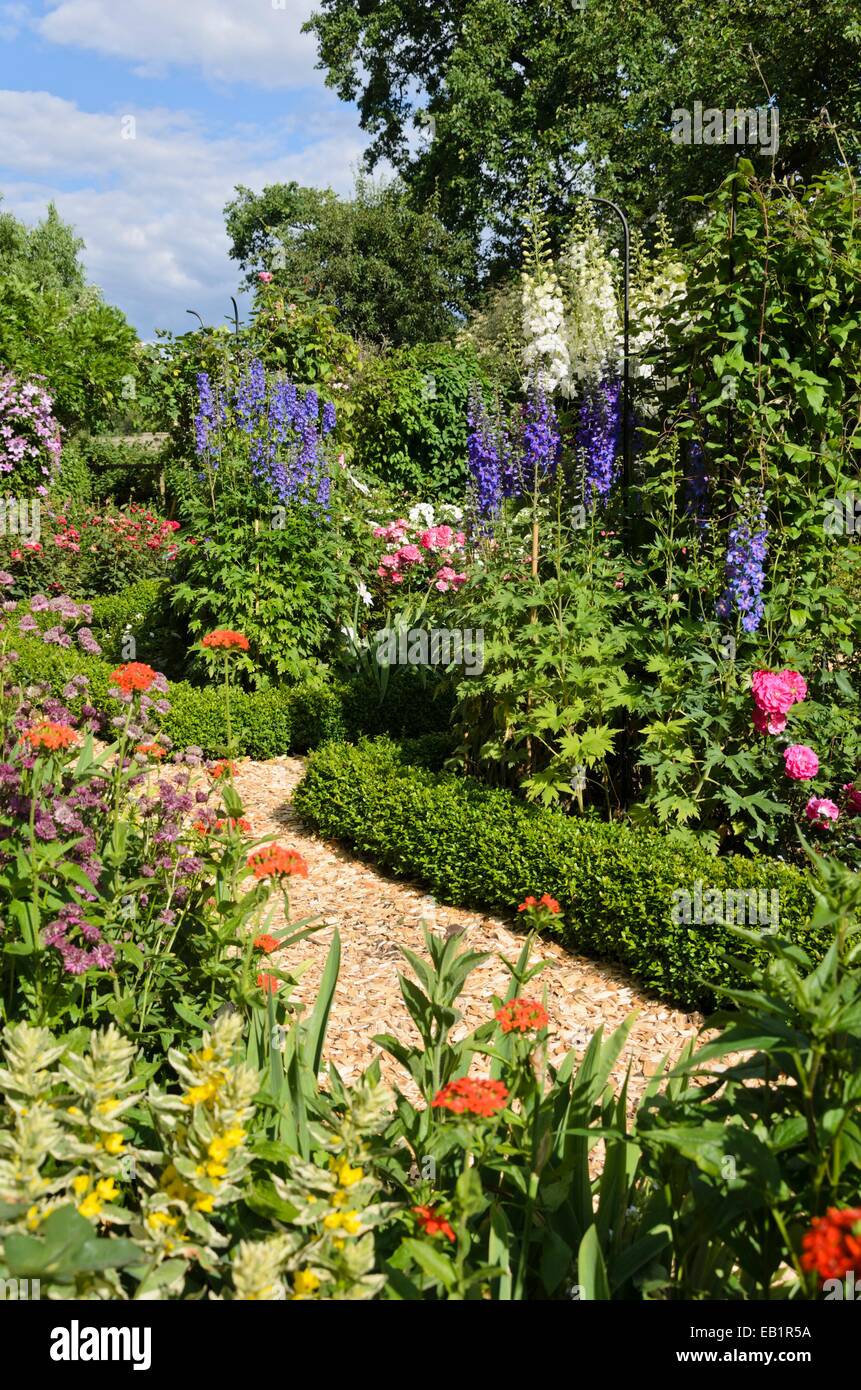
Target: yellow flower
<point x="305" y="1283"/>
<point x="348" y="1221"/>
<point x="91" y="1206"/>
<point x="113" y="1143"/>
<point x="215" y="1170"/>
<point x="339" y="1244"/>
<point x="220" y="1146"/>
<point x="204" y="1202"/>
<point x="199" y="1095"/>
<point x="160" y="1218"/>
<point x="338" y="1199"/>
<point x="108" y="1106"/>
<point x="73" y="1110"/>
<point x="33" y="1219"/>
<point x="172" y="1183"/>
<point x="107" y="1189"/>
<point x="200" y="1059"/>
<point x="346" y="1175"/>
<point x="80" y="1184"/>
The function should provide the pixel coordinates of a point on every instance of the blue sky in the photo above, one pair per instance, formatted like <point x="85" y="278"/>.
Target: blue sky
<point x="138" y="117"/>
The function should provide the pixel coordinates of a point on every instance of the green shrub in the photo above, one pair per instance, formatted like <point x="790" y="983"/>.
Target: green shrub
<point x="144" y="609"/>
<point x="412" y="705"/>
<point x="121" y="469"/>
<point x="409" y="421"/>
<point x="74" y="481"/>
<point x="267" y="723"/>
<point x="481" y="847"/>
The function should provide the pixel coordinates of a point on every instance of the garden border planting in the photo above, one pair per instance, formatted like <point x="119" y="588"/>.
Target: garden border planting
<point x="479" y="847"/>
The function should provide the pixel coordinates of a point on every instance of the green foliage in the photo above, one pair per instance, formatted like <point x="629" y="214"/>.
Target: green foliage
<point x="143" y="613"/>
<point x="53" y="324"/>
<point x="48" y="254"/>
<point x="751" y="1154"/>
<point x="473" y="845"/>
<point x="508" y="96"/>
<point x="409" y="419"/>
<point x="40" y="663"/>
<point x="411" y="706"/>
<point x="393" y="273"/>
<point x="550" y="707"/>
<point x="111" y="469"/>
<point x="305" y="341"/>
<point x="274" y="574"/>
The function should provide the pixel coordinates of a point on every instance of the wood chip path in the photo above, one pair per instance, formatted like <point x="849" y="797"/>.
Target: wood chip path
<point x="375" y="915"/>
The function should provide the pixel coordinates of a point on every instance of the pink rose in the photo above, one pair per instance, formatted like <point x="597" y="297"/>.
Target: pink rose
<point x="801" y="762"/>
<point x="266" y="277"/>
<point x="768" y="723"/>
<point x="821" y="810"/>
<point x="796" y="683"/>
<point x="853" y="798"/>
<point x="409" y="555"/>
<point x="773" y="695"/>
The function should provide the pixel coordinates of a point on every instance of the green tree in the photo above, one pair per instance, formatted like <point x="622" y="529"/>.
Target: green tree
<point x="582" y="94"/>
<point x="48" y="254"/>
<point x="53" y="324"/>
<point x="392" y="271"/>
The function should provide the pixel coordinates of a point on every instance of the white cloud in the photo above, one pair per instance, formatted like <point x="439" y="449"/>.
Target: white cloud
<point x="151" y="208"/>
<point x="226" y="40"/>
<point x="13" y="18"/>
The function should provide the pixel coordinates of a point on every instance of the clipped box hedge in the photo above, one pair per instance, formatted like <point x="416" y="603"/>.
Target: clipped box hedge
<point x="266" y="723"/>
<point x="476" y="846"/>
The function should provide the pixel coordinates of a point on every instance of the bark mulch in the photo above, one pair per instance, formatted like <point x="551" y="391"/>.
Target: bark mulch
<point x="375" y="915"/>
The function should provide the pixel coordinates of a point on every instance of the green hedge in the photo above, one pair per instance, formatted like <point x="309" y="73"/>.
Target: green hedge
<point x="267" y="723"/>
<point x="145" y="609"/>
<point x="480" y="847"/>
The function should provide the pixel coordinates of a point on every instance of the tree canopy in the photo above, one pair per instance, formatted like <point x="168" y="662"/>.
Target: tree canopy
<point x="393" y="271"/>
<point x="55" y="325"/>
<point x="580" y="93"/>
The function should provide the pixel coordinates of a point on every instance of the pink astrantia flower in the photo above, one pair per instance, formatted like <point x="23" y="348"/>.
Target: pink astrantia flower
<point x="821" y="810"/>
<point x="768" y="723"/>
<point x="801" y="762"/>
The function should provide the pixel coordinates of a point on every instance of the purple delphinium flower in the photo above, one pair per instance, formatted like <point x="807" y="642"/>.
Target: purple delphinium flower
<point x="745" y="570"/>
<point x="488" y="456"/>
<point x="542" y="444"/>
<point x="598" y="439"/>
